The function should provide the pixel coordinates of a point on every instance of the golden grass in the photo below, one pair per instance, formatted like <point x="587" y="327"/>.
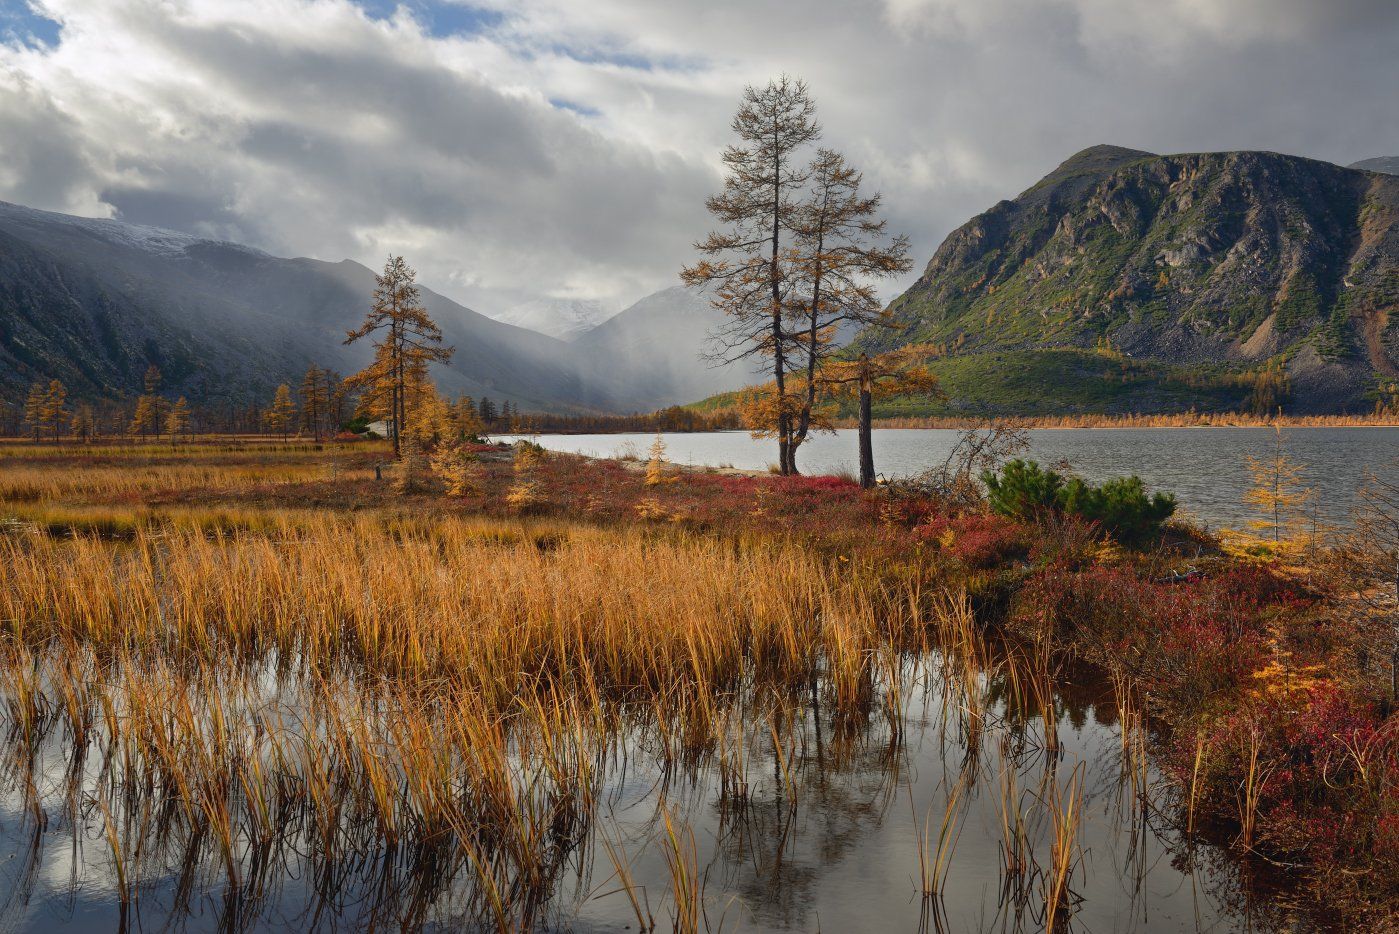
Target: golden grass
<point x="426" y="703"/>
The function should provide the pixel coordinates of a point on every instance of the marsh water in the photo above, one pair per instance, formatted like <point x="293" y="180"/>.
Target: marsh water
<point x="825" y="835"/>
<point x="1205" y="468"/>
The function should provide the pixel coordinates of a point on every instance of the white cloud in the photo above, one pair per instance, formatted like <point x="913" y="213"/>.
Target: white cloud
<point x="564" y="148"/>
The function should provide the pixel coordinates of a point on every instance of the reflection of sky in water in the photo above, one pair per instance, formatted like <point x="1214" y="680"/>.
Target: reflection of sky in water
<point x="844" y="860"/>
<point x="1203" y="467"/>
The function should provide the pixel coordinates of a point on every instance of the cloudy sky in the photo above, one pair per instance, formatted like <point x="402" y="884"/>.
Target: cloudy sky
<point x="514" y="149"/>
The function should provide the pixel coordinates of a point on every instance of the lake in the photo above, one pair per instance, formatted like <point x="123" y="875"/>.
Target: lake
<point x="1205" y="468"/>
<point x="825" y="836"/>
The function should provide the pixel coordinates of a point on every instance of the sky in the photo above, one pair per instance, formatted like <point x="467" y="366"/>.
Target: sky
<point x="524" y="149"/>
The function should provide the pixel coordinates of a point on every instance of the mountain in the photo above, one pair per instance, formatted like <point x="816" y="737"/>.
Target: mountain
<point x="94" y="302"/>
<point x="1125" y="280"/>
<point x="563" y="318"/>
<point x="1389" y="165"/>
<point x="657" y="347"/>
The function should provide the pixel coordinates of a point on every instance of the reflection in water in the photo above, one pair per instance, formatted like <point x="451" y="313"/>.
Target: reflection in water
<point x="964" y="790"/>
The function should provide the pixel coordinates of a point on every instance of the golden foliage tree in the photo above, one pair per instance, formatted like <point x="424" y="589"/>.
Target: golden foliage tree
<point x="84" y="425"/>
<point x="466" y="422"/>
<point x="747" y="266"/>
<point x="177" y="421"/>
<point x="524" y="495"/>
<point x="405" y="341"/>
<point x="901" y="372"/>
<point x="315" y="400"/>
<point x="54" y="412"/>
<point x="147" y="416"/>
<point x="658" y="472"/>
<point x="149" y="407"/>
<point x="34" y="408"/>
<point x="1277" y="493"/>
<point x="458" y="469"/>
<point x="281" y="415"/>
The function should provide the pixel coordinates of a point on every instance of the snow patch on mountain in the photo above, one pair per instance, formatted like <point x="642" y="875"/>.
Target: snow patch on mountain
<point x="156" y="240"/>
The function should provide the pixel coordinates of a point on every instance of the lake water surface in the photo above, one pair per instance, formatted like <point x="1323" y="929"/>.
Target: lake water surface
<point x="1205" y="468"/>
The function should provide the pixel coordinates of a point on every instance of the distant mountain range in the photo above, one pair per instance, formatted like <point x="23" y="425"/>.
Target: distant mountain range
<point x="1122" y="281"/>
<point x="1129" y="281"/>
<point x="94" y="302"/>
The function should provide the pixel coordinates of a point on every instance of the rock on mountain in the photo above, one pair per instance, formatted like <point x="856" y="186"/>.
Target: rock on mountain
<point x="94" y="302"/>
<point x="657" y="347"/>
<point x="1389" y="165"/>
<point x="1211" y="261"/>
<point x="563" y="318"/>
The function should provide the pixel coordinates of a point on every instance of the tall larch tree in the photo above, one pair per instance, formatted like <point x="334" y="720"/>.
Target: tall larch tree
<point x="340" y="400"/>
<point x="315" y="400"/>
<point x="177" y="421"/>
<point x="34" y="409"/>
<point x="745" y="269"/>
<point x="405" y="340"/>
<point x="145" y="420"/>
<point x="55" y="408"/>
<point x="84" y="424"/>
<point x="150" y="407"/>
<point x="281" y="414"/>
<point x="842" y="249"/>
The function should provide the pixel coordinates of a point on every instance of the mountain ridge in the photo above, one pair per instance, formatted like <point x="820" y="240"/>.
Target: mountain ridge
<point x="93" y="302"/>
<point x="1226" y="260"/>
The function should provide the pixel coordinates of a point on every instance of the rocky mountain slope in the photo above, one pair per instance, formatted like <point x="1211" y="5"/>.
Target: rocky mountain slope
<point x="94" y="302"/>
<point x="1213" y="262"/>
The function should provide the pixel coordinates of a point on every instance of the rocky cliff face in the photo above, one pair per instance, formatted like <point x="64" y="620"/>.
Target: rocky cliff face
<point x="1224" y="260"/>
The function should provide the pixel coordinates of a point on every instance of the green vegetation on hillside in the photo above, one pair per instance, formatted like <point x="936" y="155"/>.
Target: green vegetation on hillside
<point x="1199" y="262"/>
<point x="1056" y="381"/>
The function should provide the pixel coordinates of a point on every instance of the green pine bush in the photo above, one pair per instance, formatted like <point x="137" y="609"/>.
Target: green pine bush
<point x="1121" y="507"/>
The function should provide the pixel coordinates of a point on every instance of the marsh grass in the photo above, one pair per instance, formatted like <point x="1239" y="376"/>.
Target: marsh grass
<point x="404" y="705"/>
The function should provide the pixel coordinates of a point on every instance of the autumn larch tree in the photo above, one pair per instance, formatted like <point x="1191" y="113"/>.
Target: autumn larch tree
<point x="55" y="412"/>
<point x="84" y="424"/>
<point x="406" y="342"/>
<point x="150" y="406"/>
<point x="34" y="408"/>
<point x="281" y="415"/>
<point x="340" y="399"/>
<point x="315" y="400"/>
<point x="841" y="249"/>
<point x="466" y="421"/>
<point x="145" y="420"/>
<point x="746" y="265"/>
<point x="895" y="373"/>
<point x="177" y="421"/>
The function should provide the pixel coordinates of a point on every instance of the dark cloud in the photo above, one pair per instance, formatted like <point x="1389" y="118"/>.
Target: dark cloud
<point x="519" y="148"/>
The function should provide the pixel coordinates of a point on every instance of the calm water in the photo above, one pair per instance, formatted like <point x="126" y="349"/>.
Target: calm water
<point x="1204" y="467"/>
<point x="827" y="839"/>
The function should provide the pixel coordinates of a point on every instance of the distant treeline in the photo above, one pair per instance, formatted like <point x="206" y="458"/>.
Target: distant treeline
<point x="1174" y="420"/>
<point x="674" y="418"/>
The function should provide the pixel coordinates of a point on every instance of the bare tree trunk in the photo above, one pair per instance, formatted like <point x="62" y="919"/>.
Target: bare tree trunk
<point x="866" y="441"/>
